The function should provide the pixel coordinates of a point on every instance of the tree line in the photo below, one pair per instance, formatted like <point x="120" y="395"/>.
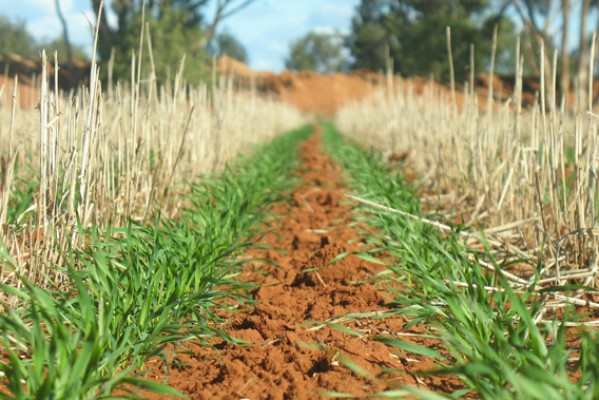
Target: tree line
<point x="412" y="33"/>
<point x="172" y="28"/>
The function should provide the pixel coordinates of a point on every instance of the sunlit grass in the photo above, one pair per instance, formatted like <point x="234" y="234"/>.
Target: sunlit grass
<point x="134" y="289"/>
<point x="527" y="174"/>
<point x="80" y="160"/>
<point x="503" y="338"/>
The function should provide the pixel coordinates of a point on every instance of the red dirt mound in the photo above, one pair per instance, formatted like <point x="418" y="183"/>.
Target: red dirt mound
<point x="226" y="65"/>
<point x="27" y="95"/>
<point x="321" y="94"/>
<point x="317" y="93"/>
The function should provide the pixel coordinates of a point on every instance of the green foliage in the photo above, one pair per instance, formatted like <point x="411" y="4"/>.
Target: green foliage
<point x="492" y="340"/>
<point x="178" y="28"/>
<point x="171" y="41"/>
<point x="189" y="10"/>
<point x="59" y="46"/>
<point x="413" y="34"/>
<point x="320" y="52"/>
<point x="14" y="38"/>
<point x="141" y="288"/>
<point x="225" y="44"/>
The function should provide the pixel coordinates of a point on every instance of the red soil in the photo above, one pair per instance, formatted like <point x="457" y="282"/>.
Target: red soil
<point x="314" y="227"/>
<point x="27" y="95"/>
<point x="316" y="93"/>
<point x="320" y="94"/>
<point x="70" y="76"/>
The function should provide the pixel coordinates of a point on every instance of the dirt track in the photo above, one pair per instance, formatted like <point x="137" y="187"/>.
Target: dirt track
<point x="313" y="229"/>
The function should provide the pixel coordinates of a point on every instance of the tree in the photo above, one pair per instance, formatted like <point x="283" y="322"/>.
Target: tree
<point x="170" y="41"/>
<point x="583" y="58"/>
<point x="413" y="34"/>
<point x="376" y="32"/>
<point x="189" y="14"/>
<point x="320" y="52"/>
<point x="14" y="38"/>
<point x="532" y="12"/>
<point x="65" y="32"/>
<point x="565" y="59"/>
<point x="58" y="45"/>
<point x="177" y="27"/>
<point x="225" y="44"/>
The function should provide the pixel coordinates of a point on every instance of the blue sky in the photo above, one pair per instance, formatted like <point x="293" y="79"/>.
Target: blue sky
<point x="265" y="28"/>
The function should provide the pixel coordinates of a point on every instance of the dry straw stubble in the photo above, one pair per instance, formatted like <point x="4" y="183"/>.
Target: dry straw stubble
<point x="95" y="157"/>
<point x="528" y="178"/>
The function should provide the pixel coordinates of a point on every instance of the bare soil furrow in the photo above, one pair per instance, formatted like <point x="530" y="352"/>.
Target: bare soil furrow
<point x="281" y="361"/>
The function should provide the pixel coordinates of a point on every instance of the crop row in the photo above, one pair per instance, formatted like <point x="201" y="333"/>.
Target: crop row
<point x="504" y="338"/>
<point x="135" y="288"/>
<point x="527" y="175"/>
<point x="113" y="153"/>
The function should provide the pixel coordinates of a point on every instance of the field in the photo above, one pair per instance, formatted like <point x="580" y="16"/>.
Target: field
<point x="218" y="242"/>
